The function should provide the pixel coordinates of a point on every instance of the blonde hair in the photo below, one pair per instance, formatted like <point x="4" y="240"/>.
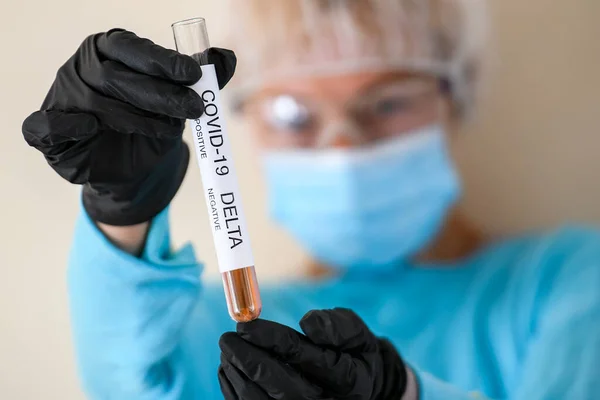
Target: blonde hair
<point x="281" y="39"/>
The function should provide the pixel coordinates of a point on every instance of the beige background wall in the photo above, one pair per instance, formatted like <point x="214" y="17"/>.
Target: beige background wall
<point x="532" y="161"/>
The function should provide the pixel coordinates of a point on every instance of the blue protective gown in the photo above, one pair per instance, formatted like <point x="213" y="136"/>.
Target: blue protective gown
<point x="519" y="320"/>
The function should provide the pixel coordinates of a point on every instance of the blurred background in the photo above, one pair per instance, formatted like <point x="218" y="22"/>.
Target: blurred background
<point x="533" y="153"/>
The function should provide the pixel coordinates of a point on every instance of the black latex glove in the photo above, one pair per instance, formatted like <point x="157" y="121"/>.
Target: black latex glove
<point x="113" y="120"/>
<point x="338" y="357"/>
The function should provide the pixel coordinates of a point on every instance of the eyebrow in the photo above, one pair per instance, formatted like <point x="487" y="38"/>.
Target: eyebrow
<point x="399" y="77"/>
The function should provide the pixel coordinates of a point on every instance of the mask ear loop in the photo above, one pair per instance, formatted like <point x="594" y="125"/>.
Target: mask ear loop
<point x="346" y="128"/>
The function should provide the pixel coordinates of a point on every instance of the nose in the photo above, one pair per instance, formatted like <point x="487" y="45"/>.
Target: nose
<point x="341" y="135"/>
<point x="342" y="141"/>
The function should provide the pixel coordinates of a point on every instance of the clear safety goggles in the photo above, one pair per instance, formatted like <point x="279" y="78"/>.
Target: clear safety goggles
<point x="296" y="121"/>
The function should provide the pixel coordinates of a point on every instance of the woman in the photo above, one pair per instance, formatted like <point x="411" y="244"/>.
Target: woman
<point x="352" y="104"/>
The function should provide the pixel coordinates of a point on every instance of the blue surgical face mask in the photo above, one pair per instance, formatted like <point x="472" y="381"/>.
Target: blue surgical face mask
<point x="371" y="207"/>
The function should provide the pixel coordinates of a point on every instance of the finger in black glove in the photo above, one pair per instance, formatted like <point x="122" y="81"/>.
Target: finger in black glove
<point x="113" y="118"/>
<point x="252" y="370"/>
<point x="338" y="355"/>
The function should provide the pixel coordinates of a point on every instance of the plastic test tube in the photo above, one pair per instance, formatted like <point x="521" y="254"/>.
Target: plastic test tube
<point x="219" y="180"/>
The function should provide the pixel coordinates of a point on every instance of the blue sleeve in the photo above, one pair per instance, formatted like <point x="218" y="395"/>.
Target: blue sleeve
<point x="563" y="346"/>
<point x="431" y="388"/>
<point x="129" y="313"/>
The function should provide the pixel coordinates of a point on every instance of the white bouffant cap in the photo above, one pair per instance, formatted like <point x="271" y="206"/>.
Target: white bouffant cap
<point x="283" y="39"/>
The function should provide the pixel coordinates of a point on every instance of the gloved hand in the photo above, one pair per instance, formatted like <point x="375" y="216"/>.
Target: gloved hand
<point x="337" y="357"/>
<point x="113" y="120"/>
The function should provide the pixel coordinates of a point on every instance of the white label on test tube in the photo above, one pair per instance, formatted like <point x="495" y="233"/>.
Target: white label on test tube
<point x="219" y="179"/>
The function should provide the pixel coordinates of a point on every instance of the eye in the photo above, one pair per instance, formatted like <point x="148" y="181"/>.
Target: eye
<point x="390" y="106"/>
<point x="288" y="113"/>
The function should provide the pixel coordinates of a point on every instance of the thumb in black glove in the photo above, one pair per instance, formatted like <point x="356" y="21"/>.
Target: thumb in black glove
<point x="337" y="357"/>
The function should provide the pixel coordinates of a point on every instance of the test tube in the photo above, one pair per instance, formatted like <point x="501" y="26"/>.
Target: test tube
<point x="219" y="180"/>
